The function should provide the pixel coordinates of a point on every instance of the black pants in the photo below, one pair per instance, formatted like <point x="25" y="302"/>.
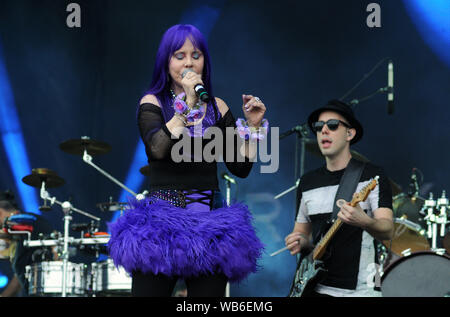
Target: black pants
<point x="150" y="285"/>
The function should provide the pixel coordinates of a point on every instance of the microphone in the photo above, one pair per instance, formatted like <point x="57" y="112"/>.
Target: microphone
<point x="413" y="185"/>
<point x="228" y="178"/>
<point x="390" y="87"/>
<point x="199" y="89"/>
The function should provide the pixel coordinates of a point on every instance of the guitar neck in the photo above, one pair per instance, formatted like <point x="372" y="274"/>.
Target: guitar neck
<point x="319" y="250"/>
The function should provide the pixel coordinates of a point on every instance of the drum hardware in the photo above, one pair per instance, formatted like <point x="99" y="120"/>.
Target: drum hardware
<point x="228" y="181"/>
<point x="87" y="147"/>
<point x="67" y="208"/>
<point x="406" y="252"/>
<point x="440" y="251"/>
<point x="436" y="214"/>
<point x="40" y="175"/>
<point x="115" y="206"/>
<point x="442" y="207"/>
<point x="13" y="232"/>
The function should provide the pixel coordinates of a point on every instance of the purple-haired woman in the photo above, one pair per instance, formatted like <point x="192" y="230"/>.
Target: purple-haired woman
<point x="184" y="229"/>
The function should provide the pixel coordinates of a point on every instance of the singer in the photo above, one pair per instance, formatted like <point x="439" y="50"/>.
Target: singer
<point x="351" y="249"/>
<point x="183" y="229"/>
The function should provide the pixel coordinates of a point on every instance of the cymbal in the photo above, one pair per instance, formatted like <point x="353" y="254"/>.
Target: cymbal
<point x="312" y="146"/>
<point x="77" y="146"/>
<point x="39" y="175"/>
<point x="145" y="170"/>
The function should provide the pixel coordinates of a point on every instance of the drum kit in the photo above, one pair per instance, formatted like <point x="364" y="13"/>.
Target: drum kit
<point x="62" y="278"/>
<point x="416" y="261"/>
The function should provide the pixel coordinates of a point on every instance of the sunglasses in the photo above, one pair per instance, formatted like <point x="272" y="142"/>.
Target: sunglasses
<point x="332" y="124"/>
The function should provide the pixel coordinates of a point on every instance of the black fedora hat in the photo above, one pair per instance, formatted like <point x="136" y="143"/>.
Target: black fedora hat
<point x="343" y="109"/>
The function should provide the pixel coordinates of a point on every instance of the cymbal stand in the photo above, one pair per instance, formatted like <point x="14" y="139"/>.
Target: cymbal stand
<point x="66" y="208"/>
<point x="428" y="207"/>
<point x="442" y="207"/>
<point x="88" y="159"/>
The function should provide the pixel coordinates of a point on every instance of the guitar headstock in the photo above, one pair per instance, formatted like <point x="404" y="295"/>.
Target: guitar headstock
<point x="362" y="195"/>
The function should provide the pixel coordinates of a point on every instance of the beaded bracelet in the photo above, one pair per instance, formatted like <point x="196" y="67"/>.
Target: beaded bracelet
<point x="190" y="114"/>
<point x="251" y="133"/>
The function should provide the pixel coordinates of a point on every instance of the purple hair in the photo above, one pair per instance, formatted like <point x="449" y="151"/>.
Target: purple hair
<point x="172" y="40"/>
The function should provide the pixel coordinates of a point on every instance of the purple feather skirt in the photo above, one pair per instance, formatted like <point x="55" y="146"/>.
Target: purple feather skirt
<point x="157" y="237"/>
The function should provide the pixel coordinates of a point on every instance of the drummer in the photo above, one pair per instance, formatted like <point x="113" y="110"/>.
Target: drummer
<point x="19" y="255"/>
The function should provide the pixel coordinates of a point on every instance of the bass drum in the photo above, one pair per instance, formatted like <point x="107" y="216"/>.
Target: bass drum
<point x="421" y="274"/>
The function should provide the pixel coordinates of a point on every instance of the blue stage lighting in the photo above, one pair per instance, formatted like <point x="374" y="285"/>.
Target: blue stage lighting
<point x="432" y="19"/>
<point x="13" y="142"/>
<point x="3" y="281"/>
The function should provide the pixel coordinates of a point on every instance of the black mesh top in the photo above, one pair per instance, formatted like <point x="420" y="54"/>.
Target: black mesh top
<point x="167" y="174"/>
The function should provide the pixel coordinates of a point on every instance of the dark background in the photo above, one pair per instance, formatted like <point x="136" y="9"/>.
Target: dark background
<point x="294" y="55"/>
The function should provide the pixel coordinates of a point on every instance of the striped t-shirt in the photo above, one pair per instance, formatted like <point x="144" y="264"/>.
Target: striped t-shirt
<point x="350" y="256"/>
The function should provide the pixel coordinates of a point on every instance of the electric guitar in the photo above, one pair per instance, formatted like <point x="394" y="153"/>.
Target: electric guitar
<point x="311" y="270"/>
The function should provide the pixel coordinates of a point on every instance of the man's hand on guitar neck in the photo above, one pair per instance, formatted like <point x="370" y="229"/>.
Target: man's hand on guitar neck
<point x="381" y="226"/>
<point x="354" y="216"/>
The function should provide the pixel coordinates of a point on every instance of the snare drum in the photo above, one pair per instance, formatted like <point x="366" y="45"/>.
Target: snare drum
<point x="45" y="279"/>
<point x="421" y="274"/>
<point x="108" y="280"/>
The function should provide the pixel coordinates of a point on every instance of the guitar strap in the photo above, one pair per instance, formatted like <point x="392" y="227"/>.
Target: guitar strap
<point x="348" y="184"/>
<point x="347" y="187"/>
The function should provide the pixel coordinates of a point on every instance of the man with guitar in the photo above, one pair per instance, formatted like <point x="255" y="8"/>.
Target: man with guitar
<point x="349" y="250"/>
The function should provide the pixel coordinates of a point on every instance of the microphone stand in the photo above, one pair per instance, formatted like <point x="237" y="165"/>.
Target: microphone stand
<point x="300" y="141"/>
<point x="386" y="89"/>
<point x="228" y="202"/>
<point x="355" y="102"/>
<point x="67" y="208"/>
